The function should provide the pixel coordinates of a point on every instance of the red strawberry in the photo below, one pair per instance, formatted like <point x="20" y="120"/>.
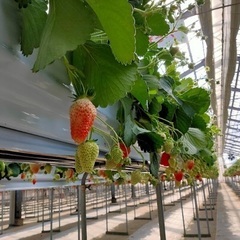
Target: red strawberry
<point x="82" y="116"/>
<point x="164" y="159"/>
<point x="190" y="164"/>
<point x="102" y="173"/>
<point x="199" y="177"/>
<point x="126" y="150"/>
<point x="34" y="181"/>
<point x="23" y="175"/>
<point x="178" y="175"/>
<point x="69" y="173"/>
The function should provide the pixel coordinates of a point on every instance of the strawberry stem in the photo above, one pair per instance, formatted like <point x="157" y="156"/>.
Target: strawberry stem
<point x="143" y="164"/>
<point x="111" y="128"/>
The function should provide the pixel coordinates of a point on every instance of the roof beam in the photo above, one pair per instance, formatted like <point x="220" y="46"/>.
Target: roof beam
<point x="233" y="120"/>
<point x="234" y="108"/>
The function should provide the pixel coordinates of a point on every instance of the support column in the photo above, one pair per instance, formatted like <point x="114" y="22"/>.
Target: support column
<point x="114" y="200"/>
<point x="15" y="218"/>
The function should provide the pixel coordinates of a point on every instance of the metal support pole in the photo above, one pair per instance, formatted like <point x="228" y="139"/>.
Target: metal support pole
<point x="160" y="211"/>
<point x="51" y="214"/>
<point x="78" y="212"/>
<point x="113" y="193"/>
<point x="83" y="207"/>
<point x="206" y="212"/>
<point x="197" y="215"/>
<point x="2" y="212"/>
<point x="183" y="219"/>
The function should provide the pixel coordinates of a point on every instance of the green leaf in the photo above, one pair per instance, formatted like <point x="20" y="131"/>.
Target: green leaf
<point x="168" y="110"/>
<point x="129" y="137"/>
<point x="193" y="141"/>
<point x="150" y="141"/>
<point x="182" y="121"/>
<point x="33" y="21"/>
<point x="151" y="81"/>
<point x="68" y="25"/>
<point x="142" y="42"/>
<point x="157" y="23"/>
<point x="185" y="85"/>
<point x="118" y="22"/>
<point x="140" y="92"/>
<point x="167" y="84"/>
<point x="110" y="79"/>
<point x="199" y="122"/>
<point x="197" y="98"/>
<point x="155" y="105"/>
<point x="154" y="164"/>
<point x="207" y="156"/>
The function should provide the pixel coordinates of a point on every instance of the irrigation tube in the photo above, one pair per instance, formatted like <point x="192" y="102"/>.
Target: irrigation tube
<point x="160" y="211"/>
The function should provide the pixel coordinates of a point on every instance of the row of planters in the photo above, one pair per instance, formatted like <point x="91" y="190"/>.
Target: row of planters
<point x="182" y="173"/>
<point x="232" y="178"/>
<point x="112" y="54"/>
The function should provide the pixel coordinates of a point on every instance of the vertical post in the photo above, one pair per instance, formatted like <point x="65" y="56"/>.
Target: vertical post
<point x="126" y="211"/>
<point x="133" y="192"/>
<point x="160" y="211"/>
<point x="196" y="207"/>
<point x="59" y="208"/>
<point x="78" y="212"/>
<point x="12" y="208"/>
<point x="51" y="214"/>
<point x="184" y="228"/>
<point x="206" y="212"/>
<point x="83" y="207"/>
<point x="113" y="193"/>
<point x="2" y="212"/>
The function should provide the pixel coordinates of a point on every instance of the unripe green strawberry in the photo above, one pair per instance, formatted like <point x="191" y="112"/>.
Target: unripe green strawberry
<point x="78" y="167"/>
<point x="47" y="168"/>
<point x="110" y="164"/>
<point x="116" y="154"/>
<point x="87" y="153"/>
<point x="168" y="146"/>
<point x="136" y="177"/>
<point x="82" y="115"/>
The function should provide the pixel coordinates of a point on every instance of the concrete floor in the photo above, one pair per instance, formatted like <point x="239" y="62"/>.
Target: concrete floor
<point x="226" y="223"/>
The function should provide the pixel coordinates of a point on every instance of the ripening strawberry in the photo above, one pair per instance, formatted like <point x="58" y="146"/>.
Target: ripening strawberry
<point x="69" y="173"/>
<point x="126" y="150"/>
<point x="87" y="153"/>
<point x="164" y="159"/>
<point x="34" y="167"/>
<point x="23" y="175"/>
<point x="34" y="180"/>
<point x="82" y="116"/>
<point x="178" y="175"/>
<point x="190" y="164"/>
<point x="198" y="177"/>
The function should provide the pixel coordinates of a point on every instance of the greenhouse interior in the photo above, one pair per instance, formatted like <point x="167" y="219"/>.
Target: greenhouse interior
<point x="119" y="119"/>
